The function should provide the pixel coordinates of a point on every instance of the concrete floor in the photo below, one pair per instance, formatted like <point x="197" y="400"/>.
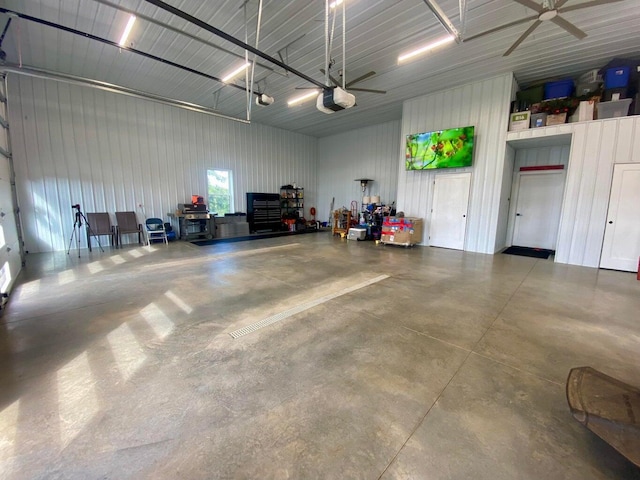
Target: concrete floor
<point x="121" y="364"/>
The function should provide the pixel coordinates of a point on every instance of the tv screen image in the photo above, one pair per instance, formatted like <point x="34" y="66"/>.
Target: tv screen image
<point x="451" y="148"/>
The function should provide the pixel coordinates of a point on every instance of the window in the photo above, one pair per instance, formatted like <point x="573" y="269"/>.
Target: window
<point x="220" y="191"/>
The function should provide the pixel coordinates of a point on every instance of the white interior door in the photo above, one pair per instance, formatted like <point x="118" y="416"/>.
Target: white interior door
<point x="449" y="212"/>
<point x="538" y="208"/>
<point x="621" y="246"/>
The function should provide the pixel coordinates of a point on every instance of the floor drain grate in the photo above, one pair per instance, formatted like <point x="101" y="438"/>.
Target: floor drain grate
<point x="265" y="322"/>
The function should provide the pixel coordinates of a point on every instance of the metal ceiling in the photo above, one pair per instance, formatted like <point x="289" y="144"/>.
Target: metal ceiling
<point x="377" y="31"/>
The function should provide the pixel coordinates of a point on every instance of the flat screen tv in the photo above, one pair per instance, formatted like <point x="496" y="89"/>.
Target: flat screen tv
<point x="451" y="148"/>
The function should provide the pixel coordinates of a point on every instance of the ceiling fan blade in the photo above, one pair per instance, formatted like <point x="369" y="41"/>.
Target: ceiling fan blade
<point x="559" y="4"/>
<point x="501" y="27"/>
<point x="307" y="88"/>
<point x="370" y="90"/>
<point x="593" y="3"/>
<point x="360" y="78"/>
<point x="533" y="26"/>
<point x="569" y="27"/>
<point x="531" y="4"/>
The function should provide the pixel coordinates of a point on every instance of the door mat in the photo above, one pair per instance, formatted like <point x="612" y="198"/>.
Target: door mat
<point x="529" y="252"/>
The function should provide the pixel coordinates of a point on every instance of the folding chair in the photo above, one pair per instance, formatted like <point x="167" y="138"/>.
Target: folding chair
<point x="155" y="230"/>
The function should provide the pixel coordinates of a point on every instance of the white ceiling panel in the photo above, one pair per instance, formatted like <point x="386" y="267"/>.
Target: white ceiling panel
<point x="377" y="31"/>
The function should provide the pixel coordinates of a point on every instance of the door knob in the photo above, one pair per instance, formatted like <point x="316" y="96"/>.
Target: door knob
<point x="464" y="216"/>
<point x="518" y="214"/>
<point x="610" y="222"/>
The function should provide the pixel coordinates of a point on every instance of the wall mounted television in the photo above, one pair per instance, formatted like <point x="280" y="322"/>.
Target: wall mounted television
<point x="451" y="148"/>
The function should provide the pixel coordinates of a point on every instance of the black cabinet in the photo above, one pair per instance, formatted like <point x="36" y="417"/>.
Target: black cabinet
<point x="263" y="212"/>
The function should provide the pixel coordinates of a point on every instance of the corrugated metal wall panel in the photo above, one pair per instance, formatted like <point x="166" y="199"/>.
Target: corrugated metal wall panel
<point x="534" y="157"/>
<point x="110" y="153"/>
<point x="595" y="147"/>
<point x="369" y="152"/>
<point x="485" y="105"/>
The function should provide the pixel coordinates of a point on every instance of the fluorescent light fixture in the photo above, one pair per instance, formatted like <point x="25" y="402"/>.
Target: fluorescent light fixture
<point x="302" y="98"/>
<point x="238" y="70"/>
<point x="426" y="48"/>
<point x="127" y="30"/>
<point x="336" y="3"/>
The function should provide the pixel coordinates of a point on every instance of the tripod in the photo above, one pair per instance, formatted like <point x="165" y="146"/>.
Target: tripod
<point x="77" y="227"/>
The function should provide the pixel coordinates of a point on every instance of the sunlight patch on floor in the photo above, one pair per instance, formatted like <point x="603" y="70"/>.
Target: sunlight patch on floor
<point x="178" y="301"/>
<point x="77" y="398"/>
<point x="65" y="277"/>
<point x="8" y="430"/>
<point x="136" y="253"/>
<point x="118" y="259"/>
<point x="95" y="267"/>
<point x="29" y="289"/>
<point x="126" y="350"/>
<point x="157" y="320"/>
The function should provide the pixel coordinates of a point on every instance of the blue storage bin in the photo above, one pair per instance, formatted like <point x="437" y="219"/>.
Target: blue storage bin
<point x="559" y="89"/>
<point x="617" y="77"/>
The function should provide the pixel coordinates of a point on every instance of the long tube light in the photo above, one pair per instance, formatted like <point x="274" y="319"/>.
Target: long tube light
<point x="237" y="71"/>
<point x="426" y="48"/>
<point x="127" y="30"/>
<point x="302" y="98"/>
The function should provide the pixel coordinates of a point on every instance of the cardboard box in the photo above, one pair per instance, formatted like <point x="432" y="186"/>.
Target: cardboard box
<point x="519" y="121"/>
<point x="584" y="113"/>
<point x="409" y="232"/>
<point x="557" y="119"/>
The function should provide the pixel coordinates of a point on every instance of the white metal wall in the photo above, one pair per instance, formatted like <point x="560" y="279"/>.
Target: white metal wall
<point x="595" y="147"/>
<point x="485" y="105"/>
<point x="369" y="152"/>
<point x="10" y="260"/>
<point x="534" y="157"/>
<point x="110" y="153"/>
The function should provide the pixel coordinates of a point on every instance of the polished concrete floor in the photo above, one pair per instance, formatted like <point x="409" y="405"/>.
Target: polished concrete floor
<point x="371" y="362"/>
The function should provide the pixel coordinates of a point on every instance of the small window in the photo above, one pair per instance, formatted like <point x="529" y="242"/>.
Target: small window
<point x="220" y="191"/>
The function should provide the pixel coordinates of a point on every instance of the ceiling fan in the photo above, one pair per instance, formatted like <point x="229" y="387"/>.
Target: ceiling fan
<point x="348" y="85"/>
<point x="548" y="10"/>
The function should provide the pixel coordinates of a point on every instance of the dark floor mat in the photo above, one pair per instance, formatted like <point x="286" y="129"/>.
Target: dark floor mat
<point x="529" y="252"/>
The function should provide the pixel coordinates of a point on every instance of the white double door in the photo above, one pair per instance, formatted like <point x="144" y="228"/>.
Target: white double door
<point x="538" y="207"/>
<point x="621" y="245"/>
<point x="448" y="224"/>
